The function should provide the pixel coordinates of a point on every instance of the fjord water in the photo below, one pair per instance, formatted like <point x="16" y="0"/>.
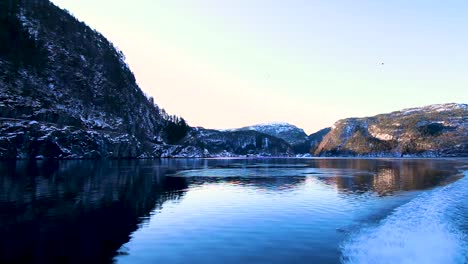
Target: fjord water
<point x="234" y="211"/>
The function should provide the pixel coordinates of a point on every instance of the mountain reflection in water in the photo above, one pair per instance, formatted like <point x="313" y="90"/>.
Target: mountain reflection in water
<point x="77" y="211"/>
<point x="388" y="176"/>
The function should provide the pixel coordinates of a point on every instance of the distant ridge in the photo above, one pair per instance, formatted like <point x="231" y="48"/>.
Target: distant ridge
<point x="439" y="130"/>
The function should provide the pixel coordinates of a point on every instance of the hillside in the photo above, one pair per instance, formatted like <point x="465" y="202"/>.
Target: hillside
<point x="66" y="91"/>
<point x="233" y="143"/>
<point x="289" y="133"/>
<point x="434" y="130"/>
<point x="316" y="138"/>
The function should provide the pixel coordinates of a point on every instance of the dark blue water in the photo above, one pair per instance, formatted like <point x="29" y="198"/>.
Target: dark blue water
<point x="232" y="211"/>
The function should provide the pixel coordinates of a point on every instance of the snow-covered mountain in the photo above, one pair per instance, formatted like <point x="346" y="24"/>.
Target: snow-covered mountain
<point x="238" y="142"/>
<point x="289" y="133"/>
<point x="293" y="135"/>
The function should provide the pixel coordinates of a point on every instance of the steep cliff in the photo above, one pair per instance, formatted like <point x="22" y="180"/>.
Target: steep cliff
<point x="66" y="91"/>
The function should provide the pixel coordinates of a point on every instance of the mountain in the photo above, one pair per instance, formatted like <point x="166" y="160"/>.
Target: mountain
<point x="293" y="135"/>
<point x="237" y="142"/>
<point x="289" y="133"/>
<point x="434" y="130"/>
<point x="66" y="91"/>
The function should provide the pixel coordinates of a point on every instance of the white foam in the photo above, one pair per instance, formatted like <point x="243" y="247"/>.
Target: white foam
<point x="420" y="231"/>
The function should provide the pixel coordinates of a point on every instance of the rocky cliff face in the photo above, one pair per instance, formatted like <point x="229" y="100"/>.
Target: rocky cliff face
<point x="435" y="130"/>
<point x="66" y="91"/>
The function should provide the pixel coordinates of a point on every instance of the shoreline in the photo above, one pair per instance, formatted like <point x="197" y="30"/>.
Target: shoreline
<point x="245" y="158"/>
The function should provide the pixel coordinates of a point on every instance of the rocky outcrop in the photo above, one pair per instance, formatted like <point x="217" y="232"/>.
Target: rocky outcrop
<point x="431" y="131"/>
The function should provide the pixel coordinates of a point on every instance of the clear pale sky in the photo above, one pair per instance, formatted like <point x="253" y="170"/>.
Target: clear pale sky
<point x="226" y="64"/>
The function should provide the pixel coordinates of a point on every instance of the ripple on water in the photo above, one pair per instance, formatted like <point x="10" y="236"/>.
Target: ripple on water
<point x="261" y="171"/>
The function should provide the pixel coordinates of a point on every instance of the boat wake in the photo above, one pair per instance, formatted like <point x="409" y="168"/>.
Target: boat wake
<point x="429" y="229"/>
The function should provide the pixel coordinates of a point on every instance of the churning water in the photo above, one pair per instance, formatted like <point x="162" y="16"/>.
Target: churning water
<point x="432" y="228"/>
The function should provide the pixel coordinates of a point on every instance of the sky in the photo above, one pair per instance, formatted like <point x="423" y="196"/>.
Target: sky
<point x="227" y="64"/>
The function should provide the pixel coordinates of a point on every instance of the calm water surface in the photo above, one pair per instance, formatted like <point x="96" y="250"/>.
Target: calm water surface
<point x="234" y="211"/>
